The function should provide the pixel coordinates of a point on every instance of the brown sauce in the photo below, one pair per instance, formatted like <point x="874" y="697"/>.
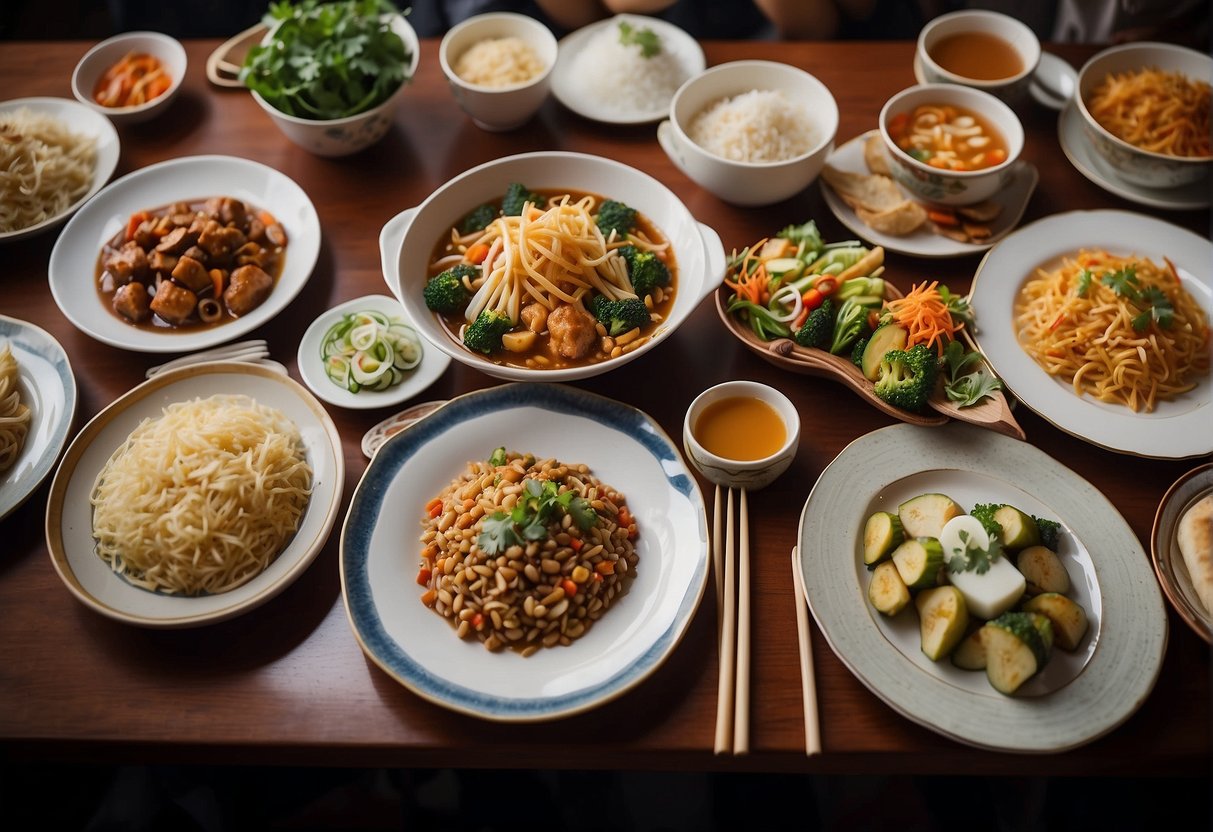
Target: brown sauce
<point x="977" y="55"/>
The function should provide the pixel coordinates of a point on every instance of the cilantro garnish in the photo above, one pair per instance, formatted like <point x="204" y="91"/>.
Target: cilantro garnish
<point x="1084" y="282"/>
<point x="1155" y="306"/>
<point x="966" y="389"/>
<point x="646" y="39"/>
<point x="973" y="558"/>
<point x="542" y="504"/>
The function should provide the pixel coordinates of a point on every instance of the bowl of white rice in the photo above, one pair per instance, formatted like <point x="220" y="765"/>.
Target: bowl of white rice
<point x="751" y="132"/>
<point x="498" y="66"/>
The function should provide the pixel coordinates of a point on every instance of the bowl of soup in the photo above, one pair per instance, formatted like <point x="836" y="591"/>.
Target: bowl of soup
<point x="981" y="49"/>
<point x="549" y="266"/>
<point x="741" y="434"/>
<point x="950" y="145"/>
<point x="1145" y="109"/>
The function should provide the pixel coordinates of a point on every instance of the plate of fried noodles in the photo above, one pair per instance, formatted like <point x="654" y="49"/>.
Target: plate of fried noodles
<point x="1100" y="322"/>
<point x="54" y="155"/>
<point x="197" y="496"/>
<point x="524" y="553"/>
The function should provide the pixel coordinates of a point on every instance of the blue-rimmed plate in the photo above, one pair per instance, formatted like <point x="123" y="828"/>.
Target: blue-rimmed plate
<point x="48" y="389"/>
<point x="380" y="553"/>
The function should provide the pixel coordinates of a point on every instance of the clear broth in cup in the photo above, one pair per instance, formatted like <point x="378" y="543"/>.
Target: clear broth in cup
<point x="979" y="56"/>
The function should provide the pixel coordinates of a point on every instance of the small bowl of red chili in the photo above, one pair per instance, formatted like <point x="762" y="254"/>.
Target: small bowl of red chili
<point x="130" y="77"/>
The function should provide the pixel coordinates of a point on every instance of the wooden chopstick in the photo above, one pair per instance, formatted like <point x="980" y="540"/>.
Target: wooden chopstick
<point x="741" y="705"/>
<point x="717" y="564"/>
<point x="808" y="681"/>
<point x="728" y="643"/>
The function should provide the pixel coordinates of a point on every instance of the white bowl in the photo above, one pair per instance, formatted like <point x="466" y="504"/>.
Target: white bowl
<point x="344" y="136"/>
<point x="952" y="187"/>
<point x="1133" y="164"/>
<point x="749" y="183"/>
<point x="1021" y="38"/>
<point x="506" y="107"/>
<point x="733" y="473"/>
<point x="101" y="57"/>
<point x="408" y="239"/>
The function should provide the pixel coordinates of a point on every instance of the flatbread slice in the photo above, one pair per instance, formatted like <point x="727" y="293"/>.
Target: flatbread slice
<point x="898" y="221"/>
<point x="864" y="190"/>
<point x="1195" y="539"/>
<point x="983" y="212"/>
<point x="873" y="156"/>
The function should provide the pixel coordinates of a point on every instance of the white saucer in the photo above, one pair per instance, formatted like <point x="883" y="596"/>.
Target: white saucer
<point x="1091" y="165"/>
<point x="924" y="242"/>
<point x="1060" y="75"/>
<point x="311" y="366"/>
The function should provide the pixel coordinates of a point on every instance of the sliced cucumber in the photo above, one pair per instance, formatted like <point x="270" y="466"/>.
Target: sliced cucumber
<point x="885" y="338"/>
<point x="1010" y="660"/>
<point x="943" y="618"/>
<point x="881" y="535"/>
<point x="970" y="654"/>
<point x="1028" y="628"/>
<point x="1043" y="571"/>
<point x="1068" y="618"/>
<point x="918" y="561"/>
<point x="789" y="267"/>
<point x="926" y="514"/>
<point x="1019" y="530"/>
<point x="887" y="591"/>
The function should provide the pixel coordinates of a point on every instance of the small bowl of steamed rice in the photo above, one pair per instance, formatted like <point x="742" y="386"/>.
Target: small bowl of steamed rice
<point x="498" y="66"/>
<point x="751" y="132"/>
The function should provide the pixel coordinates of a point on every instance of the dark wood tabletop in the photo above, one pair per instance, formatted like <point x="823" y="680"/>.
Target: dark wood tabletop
<point x="287" y="683"/>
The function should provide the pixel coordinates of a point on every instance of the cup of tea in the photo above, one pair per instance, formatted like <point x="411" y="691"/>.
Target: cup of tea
<point x="985" y="50"/>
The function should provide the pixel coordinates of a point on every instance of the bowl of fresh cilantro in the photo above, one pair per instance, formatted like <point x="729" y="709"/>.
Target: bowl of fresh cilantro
<point x="330" y="74"/>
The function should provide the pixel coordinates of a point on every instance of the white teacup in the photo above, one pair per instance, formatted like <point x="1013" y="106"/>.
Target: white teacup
<point x="1021" y="39"/>
<point x="751" y="474"/>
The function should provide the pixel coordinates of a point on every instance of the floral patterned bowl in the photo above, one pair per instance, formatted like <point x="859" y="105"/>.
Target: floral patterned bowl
<point x="950" y="187"/>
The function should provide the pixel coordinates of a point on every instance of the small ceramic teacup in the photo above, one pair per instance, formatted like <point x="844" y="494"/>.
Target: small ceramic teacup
<point x="998" y="53"/>
<point x="734" y="473"/>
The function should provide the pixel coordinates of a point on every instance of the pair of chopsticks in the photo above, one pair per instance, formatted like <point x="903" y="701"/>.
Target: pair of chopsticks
<point x="808" y="680"/>
<point x="733" y="613"/>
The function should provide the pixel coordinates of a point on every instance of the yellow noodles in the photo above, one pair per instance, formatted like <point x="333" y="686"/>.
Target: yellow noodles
<point x="1163" y="112"/>
<point x="44" y="168"/>
<point x="14" y="416"/>
<point x="203" y="498"/>
<point x="1082" y="330"/>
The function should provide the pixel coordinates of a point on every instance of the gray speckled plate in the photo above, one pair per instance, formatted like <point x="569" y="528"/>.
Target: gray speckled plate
<point x="1089" y="693"/>
<point x="1169" y="562"/>
<point x="419" y="648"/>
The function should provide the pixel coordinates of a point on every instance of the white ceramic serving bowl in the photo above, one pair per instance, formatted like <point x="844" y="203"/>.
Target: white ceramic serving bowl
<point x="1133" y="164"/>
<point x="950" y="187"/>
<point x="749" y="474"/>
<point x="344" y="136"/>
<point x="1008" y="29"/>
<point x="749" y="183"/>
<point x="507" y="107"/>
<point x="101" y="57"/>
<point x="408" y="239"/>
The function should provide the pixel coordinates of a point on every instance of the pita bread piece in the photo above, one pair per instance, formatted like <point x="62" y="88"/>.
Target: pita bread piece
<point x="864" y="190"/>
<point x="873" y="156"/>
<point x="1195" y="539"/>
<point x="898" y="221"/>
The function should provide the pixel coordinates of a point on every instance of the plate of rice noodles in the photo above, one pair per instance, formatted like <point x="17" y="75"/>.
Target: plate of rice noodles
<point x="54" y="155"/>
<point x="524" y="553"/>
<point x="624" y="70"/>
<point x="37" y="404"/>
<point x="1099" y="322"/>
<point x="126" y="206"/>
<point x="197" y="496"/>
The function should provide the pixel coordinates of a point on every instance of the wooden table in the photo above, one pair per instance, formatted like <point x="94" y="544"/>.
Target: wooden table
<point x="287" y="683"/>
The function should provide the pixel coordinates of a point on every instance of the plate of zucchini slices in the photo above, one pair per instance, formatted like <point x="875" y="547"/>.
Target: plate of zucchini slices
<point x="952" y="571"/>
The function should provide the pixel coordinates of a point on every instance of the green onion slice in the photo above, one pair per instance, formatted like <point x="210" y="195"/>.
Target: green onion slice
<point x="369" y="350"/>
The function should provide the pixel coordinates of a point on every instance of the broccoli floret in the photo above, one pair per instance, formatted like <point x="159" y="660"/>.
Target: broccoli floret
<point x="645" y="270"/>
<point x="1050" y="531"/>
<point x="818" y="328"/>
<point x="857" y="351"/>
<point x="516" y="196"/>
<point x="984" y="512"/>
<point x="478" y="219"/>
<point x="445" y="291"/>
<point x="620" y="316"/>
<point x="484" y="333"/>
<point x="907" y="377"/>
<point x="617" y="217"/>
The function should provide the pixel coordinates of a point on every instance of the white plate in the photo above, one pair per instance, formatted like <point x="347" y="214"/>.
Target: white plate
<point x="1093" y="166"/>
<point x="564" y="75"/>
<point x="1122" y="653"/>
<point x="48" y="388"/>
<point x="73" y="264"/>
<point x="1169" y="562"/>
<point x="419" y="648"/>
<point x="69" y="515"/>
<point x="1176" y="429"/>
<point x="311" y="366"/>
<point x="924" y="242"/>
<point x="79" y="119"/>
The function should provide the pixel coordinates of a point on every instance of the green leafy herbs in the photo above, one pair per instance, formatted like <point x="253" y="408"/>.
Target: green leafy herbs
<point x="958" y="307"/>
<point x="1152" y="302"/>
<point x="984" y="512"/>
<point x="646" y="39"/>
<point x="327" y="60"/>
<point x="542" y="503"/>
<point x="962" y="386"/>
<point x="805" y="235"/>
<point x="975" y="558"/>
<point x="1084" y="282"/>
<point x="498" y="458"/>
<point x="1050" y="532"/>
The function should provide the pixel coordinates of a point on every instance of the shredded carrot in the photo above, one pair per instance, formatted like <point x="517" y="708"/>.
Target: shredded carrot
<point x="750" y="284"/>
<point x="135" y="79"/>
<point x="925" y="316"/>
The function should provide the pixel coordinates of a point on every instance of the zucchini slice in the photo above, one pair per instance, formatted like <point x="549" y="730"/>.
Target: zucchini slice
<point x="881" y="535"/>
<point x="919" y="562"/>
<point x="1015" y="649"/>
<point x="943" y="618"/>
<point x="926" y="514"/>
<point x="887" y="591"/>
<point x="970" y="654"/>
<point x="1019" y="530"/>
<point x="885" y="338"/>
<point x="1069" y="618"/>
<point x="1043" y="571"/>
